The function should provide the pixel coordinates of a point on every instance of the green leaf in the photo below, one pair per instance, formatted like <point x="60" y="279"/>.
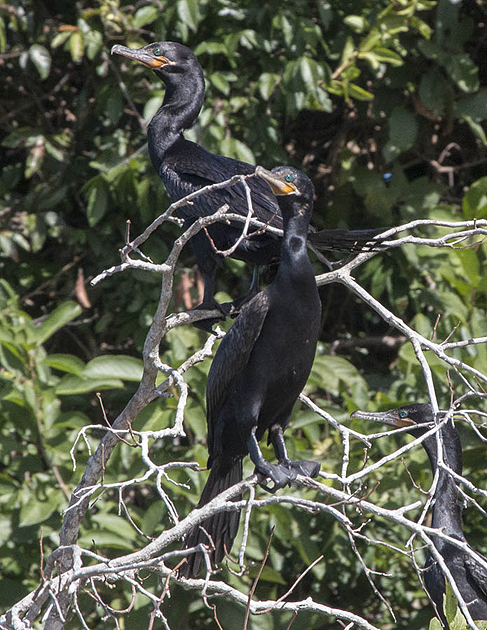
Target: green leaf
<point x="96" y="191"/>
<point x="77" y="46"/>
<point x="37" y="511"/>
<point x="219" y="80"/>
<point x="60" y="38"/>
<point x="72" y="420"/>
<point x="370" y="41"/>
<point x="63" y="314"/>
<point x="151" y="107"/>
<point x="355" y="91"/>
<point x="116" y="524"/>
<point x="41" y="58"/>
<point x="3" y="36"/>
<point x="267" y="83"/>
<point x="453" y="615"/>
<point x="35" y="158"/>
<point x="435" y="624"/>
<point x="65" y="363"/>
<point x="348" y="51"/>
<point x="145" y="15"/>
<point x="188" y="11"/>
<point x="23" y="136"/>
<point x="268" y="574"/>
<point x="104" y="539"/>
<point x="114" y="366"/>
<point x="470" y="265"/>
<point x="385" y="55"/>
<point x="433" y="92"/>
<point x="238" y="150"/>
<point x="474" y="106"/>
<point x="477" y="129"/>
<point x="71" y="385"/>
<point x="474" y="203"/>
<point x="357" y="23"/>
<point x="94" y="43"/>
<point x="403" y="128"/>
<point x="463" y="71"/>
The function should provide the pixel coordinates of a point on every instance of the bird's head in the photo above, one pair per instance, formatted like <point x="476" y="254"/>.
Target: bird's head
<point x="165" y="58"/>
<point x="416" y="416"/>
<point x="290" y="182"/>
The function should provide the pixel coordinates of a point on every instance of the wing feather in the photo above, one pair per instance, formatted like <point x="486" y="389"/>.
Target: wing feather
<point x="231" y="358"/>
<point x="188" y="167"/>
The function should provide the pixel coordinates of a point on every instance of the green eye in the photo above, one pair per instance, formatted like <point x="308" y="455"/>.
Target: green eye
<point x="157" y="52"/>
<point x="403" y="414"/>
<point x="289" y="178"/>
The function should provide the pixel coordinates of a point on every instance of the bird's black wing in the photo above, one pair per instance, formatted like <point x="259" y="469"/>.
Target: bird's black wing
<point x="476" y="574"/>
<point x="347" y="240"/>
<point x="188" y="167"/>
<point x="231" y="358"/>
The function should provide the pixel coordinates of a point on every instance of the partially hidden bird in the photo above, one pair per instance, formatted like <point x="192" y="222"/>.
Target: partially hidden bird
<point x="186" y="167"/>
<point x="259" y="370"/>
<point x="468" y="573"/>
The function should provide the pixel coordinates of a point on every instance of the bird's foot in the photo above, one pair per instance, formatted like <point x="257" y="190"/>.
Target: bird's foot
<point x="232" y="309"/>
<point x="303" y="467"/>
<point x="207" y="324"/>
<point x="281" y="476"/>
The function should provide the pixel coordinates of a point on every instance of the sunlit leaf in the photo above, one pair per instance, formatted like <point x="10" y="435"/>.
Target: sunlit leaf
<point x="63" y="314"/>
<point x="71" y="385"/>
<point x="145" y="15"/>
<point x="188" y="11"/>
<point x="359" y="93"/>
<point x="65" y="362"/>
<point x="41" y="59"/>
<point x="60" y="38"/>
<point x="267" y="84"/>
<point x="356" y="22"/>
<point x="40" y="509"/>
<point x="3" y="35"/>
<point x="116" y="366"/>
<point x="474" y="204"/>
<point x="76" y="45"/>
<point x="463" y="71"/>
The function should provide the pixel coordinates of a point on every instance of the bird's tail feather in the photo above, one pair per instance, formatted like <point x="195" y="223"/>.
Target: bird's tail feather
<point x="348" y="240"/>
<point x="220" y="529"/>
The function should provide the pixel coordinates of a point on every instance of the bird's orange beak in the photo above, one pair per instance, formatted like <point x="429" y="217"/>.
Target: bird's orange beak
<point x="141" y="55"/>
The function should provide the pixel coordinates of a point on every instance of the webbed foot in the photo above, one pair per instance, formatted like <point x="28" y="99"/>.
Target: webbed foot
<point x="280" y="476"/>
<point x="207" y="324"/>
<point x="303" y="467"/>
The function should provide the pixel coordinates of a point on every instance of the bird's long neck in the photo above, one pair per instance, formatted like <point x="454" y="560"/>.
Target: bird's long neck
<point x="447" y="511"/>
<point x="294" y="255"/>
<point x="181" y="105"/>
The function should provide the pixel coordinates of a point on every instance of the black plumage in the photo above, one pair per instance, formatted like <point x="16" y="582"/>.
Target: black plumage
<point x="259" y="370"/>
<point x="185" y="167"/>
<point x="469" y="575"/>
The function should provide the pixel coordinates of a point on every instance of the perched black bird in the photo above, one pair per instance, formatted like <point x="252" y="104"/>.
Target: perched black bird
<point x="185" y="167"/>
<point x="259" y="370"/>
<point x="469" y="575"/>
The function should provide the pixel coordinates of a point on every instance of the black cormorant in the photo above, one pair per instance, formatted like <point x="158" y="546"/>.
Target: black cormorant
<point x="469" y="575"/>
<point x="185" y="167"/>
<point x="259" y="370"/>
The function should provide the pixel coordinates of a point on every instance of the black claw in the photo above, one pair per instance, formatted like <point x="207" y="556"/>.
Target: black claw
<point x="207" y="324"/>
<point x="280" y="476"/>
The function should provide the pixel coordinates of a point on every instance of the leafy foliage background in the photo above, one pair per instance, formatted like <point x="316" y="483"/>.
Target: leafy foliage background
<point x="347" y="91"/>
